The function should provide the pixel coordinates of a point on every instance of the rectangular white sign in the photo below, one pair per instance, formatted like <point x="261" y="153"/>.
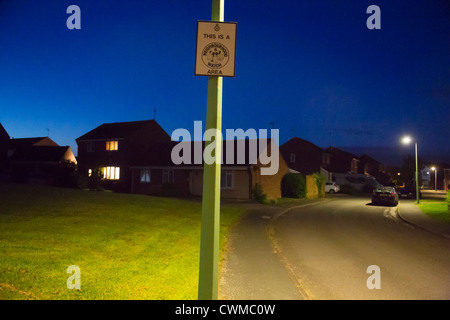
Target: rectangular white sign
<point x="216" y="49"/>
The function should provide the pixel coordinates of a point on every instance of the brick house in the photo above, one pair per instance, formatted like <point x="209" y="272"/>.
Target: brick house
<point x="111" y="147"/>
<point x="136" y="157"/>
<point x="156" y="174"/>
<point x="306" y="158"/>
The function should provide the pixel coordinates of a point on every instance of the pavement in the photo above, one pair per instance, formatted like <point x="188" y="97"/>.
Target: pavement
<point x="251" y="250"/>
<point x="410" y="213"/>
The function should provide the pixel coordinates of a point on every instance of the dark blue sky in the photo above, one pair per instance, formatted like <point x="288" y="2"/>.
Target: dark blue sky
<point x="311" y="66"/>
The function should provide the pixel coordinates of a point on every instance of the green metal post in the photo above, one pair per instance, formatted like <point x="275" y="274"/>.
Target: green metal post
<point x="208" y="285"/>
<point x="417" y="176"/>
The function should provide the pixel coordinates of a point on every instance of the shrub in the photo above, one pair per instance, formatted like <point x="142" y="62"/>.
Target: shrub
<point x="293" y="185"/>
<point x="319" y="182"/>
<point x="258" y="194"/>
<point x="95" y="180"/>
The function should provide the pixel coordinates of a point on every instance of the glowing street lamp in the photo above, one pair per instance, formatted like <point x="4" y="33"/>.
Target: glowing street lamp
<point x="408" y="140"/>
<point x="435" y="178"/>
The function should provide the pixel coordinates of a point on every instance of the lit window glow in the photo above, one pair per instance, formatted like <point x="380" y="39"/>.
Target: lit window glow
<point x="112" y="145"/>
<point x="111" y="173"/>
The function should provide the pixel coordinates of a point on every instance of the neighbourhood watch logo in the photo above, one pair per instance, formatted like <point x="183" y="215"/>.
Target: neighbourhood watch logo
<point x="215" y="55"/>
<point x="242" y="147"/>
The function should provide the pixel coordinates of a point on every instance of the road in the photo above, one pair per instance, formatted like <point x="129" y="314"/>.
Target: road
<point x="323" y="251"/>
<point x="328" y="248"/>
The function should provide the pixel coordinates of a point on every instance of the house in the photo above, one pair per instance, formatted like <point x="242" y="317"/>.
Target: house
<point x="305" y="157"/>
<point x="342" y="161"/>
<point x="137" y="157"/>
<point x="37" y="158"/>
<point x="156" y="174"/>
<point x="111" y="147"/>
<point x="4" y="144"/>
<point x="369" y="165"/>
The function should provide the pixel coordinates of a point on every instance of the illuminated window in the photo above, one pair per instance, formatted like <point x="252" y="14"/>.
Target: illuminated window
<point x="111" y="173"/>
<point x="145" y="176"/>
<point x="226" y="180"/>
<point x="89" y="172"/>
<point x="112" y="145"/>
<point x="167" y="176"/>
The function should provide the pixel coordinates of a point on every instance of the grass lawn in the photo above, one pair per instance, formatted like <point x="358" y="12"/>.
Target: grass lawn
<point x="126" y="246"/>
<point x="436" y="209"/>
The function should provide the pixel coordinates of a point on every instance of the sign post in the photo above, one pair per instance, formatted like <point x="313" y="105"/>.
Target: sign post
<point x="213" y="59"/>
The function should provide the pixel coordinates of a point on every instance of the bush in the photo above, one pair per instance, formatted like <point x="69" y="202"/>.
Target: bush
<point x="293" y="185"/>
<point x="319" y="182"/>
<point x="95" y="181"/>
<point x="258" y="194"/>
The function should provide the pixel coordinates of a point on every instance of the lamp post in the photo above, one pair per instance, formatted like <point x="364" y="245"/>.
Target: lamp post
<point x="408" y="140"/>
<point x="435" y="178"/>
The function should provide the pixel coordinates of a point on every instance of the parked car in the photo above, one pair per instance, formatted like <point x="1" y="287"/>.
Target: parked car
<point x="385" y="195"/>
<point x="332" y="187"/>
<point x="408" y="192"/>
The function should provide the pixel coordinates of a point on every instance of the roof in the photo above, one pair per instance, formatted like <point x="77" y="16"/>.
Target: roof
<point x="40" y="154"/>
<point x="298" y="141"/>
<point x="28" y="142"/>
<point x="341" y="153"/>
<point x="3" y="133"/>
<point x="160" y="154"/>
<point x="118" y="130"/>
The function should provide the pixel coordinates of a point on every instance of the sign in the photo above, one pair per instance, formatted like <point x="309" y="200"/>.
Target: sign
<point x="216" y="49"/>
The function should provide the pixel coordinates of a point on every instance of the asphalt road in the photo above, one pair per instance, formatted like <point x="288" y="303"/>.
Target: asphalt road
<point x="327" y="249"/>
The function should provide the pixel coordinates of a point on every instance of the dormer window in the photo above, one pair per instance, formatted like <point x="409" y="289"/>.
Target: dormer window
<point x="112" y="145"/>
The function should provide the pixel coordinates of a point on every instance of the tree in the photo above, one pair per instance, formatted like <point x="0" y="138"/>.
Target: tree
<point x="408" y="170"/>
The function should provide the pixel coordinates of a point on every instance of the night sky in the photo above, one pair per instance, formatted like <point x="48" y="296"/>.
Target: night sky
<point x="310" y="66"/>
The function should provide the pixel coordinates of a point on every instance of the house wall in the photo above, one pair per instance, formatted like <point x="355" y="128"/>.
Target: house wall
<point x="4" y="143"/>
<point x="271" y="184"/>
<point x="240" y="189"/>
<point x="46" y="142"/>
<point x="180" y="186"/>
<point x="308" y="157"/>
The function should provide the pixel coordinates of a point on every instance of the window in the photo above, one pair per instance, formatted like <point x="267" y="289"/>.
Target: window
<point x="89" y="172"/>
<point x="112" y="145"/>
<point x="167" y="176"/>
<point x="325" y="158"/>
<point x="111" y="173"/>
<point x="89" y="146"/>
<point x="292" y="157"/>
<point x="145" y="176"/>
<point x="226" y="180"/>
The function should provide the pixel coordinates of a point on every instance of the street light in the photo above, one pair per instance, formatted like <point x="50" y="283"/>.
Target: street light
<point x="408" y="140"/>
<point x="435" y="178"/>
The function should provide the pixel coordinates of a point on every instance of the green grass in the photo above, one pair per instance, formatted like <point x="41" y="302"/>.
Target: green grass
<point x="126" y="246"/>
<point x="436" y="209"/>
